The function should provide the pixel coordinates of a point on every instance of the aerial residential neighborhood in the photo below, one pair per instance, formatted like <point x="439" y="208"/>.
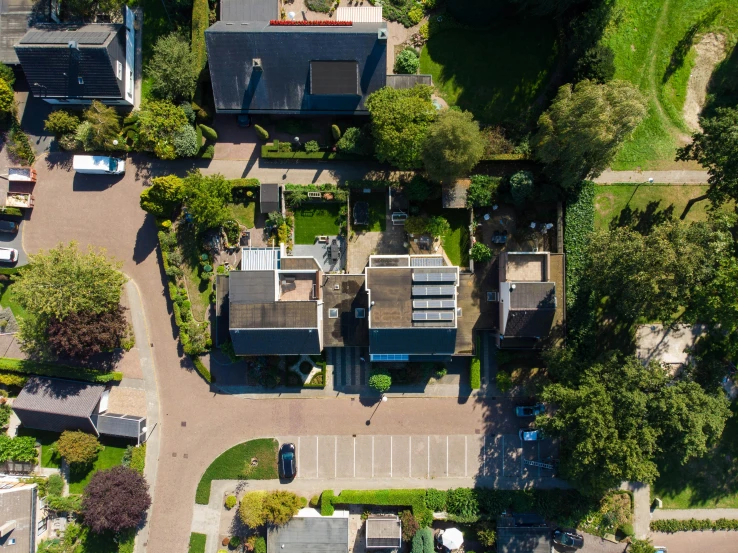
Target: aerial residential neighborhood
<point x="357" y="276"/>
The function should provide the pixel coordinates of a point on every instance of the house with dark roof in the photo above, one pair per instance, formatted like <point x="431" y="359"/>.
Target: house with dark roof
<point x="261" y="65"/>
<point x="76" y="64"/>
<point x="269" y="197"/>
<point x="274" y="310"/>
<point x="529" y="304"/>
<point x="383" y="532"/>
<point x="310" y="534"/>
<point x="56" y="405"/>
<point x="23" y="520"/>
<point x="412" y="308"/>
<point x="523" y="533"/>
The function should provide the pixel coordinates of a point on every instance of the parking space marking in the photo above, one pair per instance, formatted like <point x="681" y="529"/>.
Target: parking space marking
<point x="391" y="453"/>
<point x="317" y="459"/>
<point x="484" y="457"/>
<point x="447" y="456"/>
<point x="382" y="457"/>
<point x="354" y="456"/>
<point x="503" y="455"/>
<point x="410" y="456"/>
<point x="297" y="472"/>
<point x="466" y="456"/>
<point x="428" y="452"/>
<point x="372" y="456"/>
<point x="335" y="456"/>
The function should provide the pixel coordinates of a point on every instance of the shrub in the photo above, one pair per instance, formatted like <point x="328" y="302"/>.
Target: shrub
<point x="234" y="542"/>
<point x="482" y="191"/>
<point x="61" y="122"/>
<point x="671" y="525"/>
<point x="480" y="252"/>
<point x="202" y="369"/>
<point x="207" y="152"/>
<point x="416" y="225"/>
<point x="173" y="69"/>
<point x="13" y="380"/>
<point x="185" y="142"/>
<point x="260" y="545"/>
<point x="437" y="226"/>
<point x="475" y="374"/>
<point x="7" y="74"/>
<point x="115" y="499"/>
<point x="423" y="541"/>
<point x="380" y="382"/>
<point x="504" y="381"/>
<point x="597" y="64"/>
<point x="231" y="502"/>
<point x="579" y="225"/>
<point x="209" y="133"/>
<point x="261" y="133"/>
<point x="280" y="506"/>
<point x="78" y="448"/>
<point x="322" y="6"/>
<point x="55" y="485"/>
<point x="326" y="503"/>
<point x="312" y="146"/>
<point x="67" y="142"/>
<point x="314" y="501"/>
<point x="188" y="111"/>
<point x="335" y="132"/>
<point x="5" y="412"/>
<point x="65" y="504"/>
<point x="19" y="147"/>
<point x="462" y="503"/>
<point x="135" y="458"/>
<point x="521" y="186"/>
<point x="415" y="14"/>
<point x="407" y="62"/>
<point x="486" y="535"/>
<point x="251" y="510"/>
<point x="409" y="525"/>
<point x="435" y="500"/>
<point x="356" y="141"/>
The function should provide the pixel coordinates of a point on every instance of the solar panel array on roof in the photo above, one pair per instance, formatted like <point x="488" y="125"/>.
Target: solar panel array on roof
<point x="433" y="304"/>
<point x="433" y="290"/>
<point x="334" y="77"/>
<point x="64" y="37"/>
<point x="434" y="277"/>
<point x="433" y="315"/>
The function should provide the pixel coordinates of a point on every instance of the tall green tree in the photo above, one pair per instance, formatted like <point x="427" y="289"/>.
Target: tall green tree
<point x="173" y="68"/>
<point x="7" y="100"/>
<point x="581" y="132"/>
<point x="163" y="196"/>
<point x="104" y="125"/>
<point x="159" y="122"/>
<point x="453" y="146"/>
<point x="617" y="417"/>
<point x="716" y="148"/>
<point x="205" y="199"/>
<point x="400" y="121"/>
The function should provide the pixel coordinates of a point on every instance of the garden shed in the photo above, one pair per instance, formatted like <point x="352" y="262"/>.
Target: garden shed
<point x="268" y="197"/>
<point x="310" y="535"/>
<point x="383" y="532"/>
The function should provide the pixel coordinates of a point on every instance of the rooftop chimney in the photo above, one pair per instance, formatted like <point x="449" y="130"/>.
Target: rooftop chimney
<point x="73" y="45"/>
<point x="257" y="64"/>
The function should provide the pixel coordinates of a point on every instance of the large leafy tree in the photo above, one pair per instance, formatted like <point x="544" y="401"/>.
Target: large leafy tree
<point x="78" y="448"/>
<point x="104" y="124"/>
<point x="163" y="196"/>
<point x="716" y="148"/>
<point x="84" y="334"/>
<point x="400" y="121"/>
<point x="580" y="133"/>
<point x="159" y="122"/>
<point x="616" y="417"/>
<point x="115" y="499"/>
<point x="172" y="68"/>
<point x="453" y="146"/>
<point x="7" y="100"/>
<point x="205" y="199"/>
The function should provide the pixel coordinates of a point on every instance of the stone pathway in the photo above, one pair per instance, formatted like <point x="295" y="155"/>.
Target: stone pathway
<point x="661" y="177"/>
<point x="641" y="507"/>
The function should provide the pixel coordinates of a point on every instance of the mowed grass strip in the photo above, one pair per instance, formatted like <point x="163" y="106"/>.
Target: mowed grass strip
<point x="647" y="204"/>
<point x="243" y="213"/>
<point x="197" y="543"/>
<point x="313" y="220"/>
<point x="456" y="240"/>
<point x="235" y="464"/>
<point x="110" y="457"/>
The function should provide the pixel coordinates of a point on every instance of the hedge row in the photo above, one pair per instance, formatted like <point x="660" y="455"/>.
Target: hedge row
<point x="505" y="157"/>
<point x="372" y="184"/>
<point x="475" y="368"/>
<point x="244" y="183"/>
<point x="200" y="22"/>
<point x="269" y="153"/>
<point x="11" y="211"/>
<point x="202" y="369"/>
<point x="580" y="215"/>
<point x="322" y="364"/>
<point x="671" y="525"/>
<point x="28" y="367"/>
<point x="310" y="187"/>
<point x="400" y="498"/>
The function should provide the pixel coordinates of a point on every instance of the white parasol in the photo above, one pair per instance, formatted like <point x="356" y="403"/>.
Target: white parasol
<point x="452" y="538"/>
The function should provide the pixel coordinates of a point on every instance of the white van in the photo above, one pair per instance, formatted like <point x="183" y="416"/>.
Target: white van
<point x="99" y="165"/>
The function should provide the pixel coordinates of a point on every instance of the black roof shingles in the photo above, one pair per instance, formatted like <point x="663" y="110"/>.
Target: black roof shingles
<point x="248" y="10"/>
<point x="286" y="53"/>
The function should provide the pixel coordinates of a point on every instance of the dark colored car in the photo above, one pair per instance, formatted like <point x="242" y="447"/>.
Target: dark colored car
<point x="568" y="538"/>
<point x="8" y="226"/>
<point x="287" y="461"/>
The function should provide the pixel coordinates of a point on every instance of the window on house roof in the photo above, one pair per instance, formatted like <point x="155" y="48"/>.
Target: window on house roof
<point x="333" y="313"/>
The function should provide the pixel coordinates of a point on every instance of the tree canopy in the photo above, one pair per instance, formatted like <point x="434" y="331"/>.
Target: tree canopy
<point x="453" y="146"/>
<point x="78" y="448"/>
<point x="159" y="122"/>
<point x="84" y="334"/>
<point x="716" y="148"/>
<point x="163" y="196"/>
<point x="260" y="507"/>
<point x="172" y="68"/>
<point x="205" y="199"/>
<point x="616" y="417"/>
<point x="104" y="126"/>
<point x="581" y="132"/>
<point x="7" y="100"/>
<point x="115" y="499"/>
<point x="65" y="280"/>
<point x="400" y="121"/>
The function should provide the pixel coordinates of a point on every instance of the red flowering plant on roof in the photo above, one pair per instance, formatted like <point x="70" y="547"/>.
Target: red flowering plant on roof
<point x="315" y="23"/>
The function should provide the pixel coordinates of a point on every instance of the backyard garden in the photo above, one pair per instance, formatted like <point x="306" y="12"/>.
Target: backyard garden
<point x="318" y="210"/>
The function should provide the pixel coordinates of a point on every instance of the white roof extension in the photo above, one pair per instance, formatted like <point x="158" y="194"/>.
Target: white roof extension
<point x="260" y="259"/>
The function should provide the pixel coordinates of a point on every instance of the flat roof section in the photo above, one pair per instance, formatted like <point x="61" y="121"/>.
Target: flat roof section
<point x="15" y="18"/>
<point x="252" y="286"/>
<point x="248" y="10"/>
<point x="345" y="293"/>
<point x="310" y="535"/>
<point x="392" y="304"/>
<point x="260" y="259"/>
<point x="528" y="267"/>
<point x="281" y="314"/>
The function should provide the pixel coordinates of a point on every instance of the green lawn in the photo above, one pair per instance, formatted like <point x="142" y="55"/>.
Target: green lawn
<point x="235" y="464"/>
<point x="652" y="42"/>
<point x="109" y="457"/>
<point x="198" y="289"/>
<point x="7" y="298"/>
<point x="244" y="213"/>
<point x="456" y="240"/>
<point x="495" y="73"/>
<point x="197" y="543"/>
<point x="49" y="458"/>
<point x="313" y="220"/>
<point x="710" y="482"/>
<point x="647" y="204"/>
<point x="377" y="201"/>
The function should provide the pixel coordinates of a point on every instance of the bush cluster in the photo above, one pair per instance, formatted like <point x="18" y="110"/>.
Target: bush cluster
<point x="482" y="191"/>
<point x="356" y="141"/>
<point x="29" y="367"/>
<point x="21" y="449"/>
<point x="672" y="525"/>
<point x="135" y="457"/>
<point x="407" y="62"/>
<point x="78" y="448"/>
<point x="423" y="541"/>
<point x="578" y="227"/>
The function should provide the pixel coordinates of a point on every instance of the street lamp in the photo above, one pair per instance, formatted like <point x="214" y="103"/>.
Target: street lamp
<point x="383" y="399"/>
<point x="296" y="140"/>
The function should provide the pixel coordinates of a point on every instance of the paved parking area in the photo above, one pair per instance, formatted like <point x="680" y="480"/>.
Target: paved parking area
<point x="421" y="456"/>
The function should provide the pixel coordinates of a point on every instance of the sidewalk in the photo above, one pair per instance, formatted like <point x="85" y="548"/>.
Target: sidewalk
<point x="661" y="177"/>
<point x="641" y="507"/>
<point x="700" y="514"/>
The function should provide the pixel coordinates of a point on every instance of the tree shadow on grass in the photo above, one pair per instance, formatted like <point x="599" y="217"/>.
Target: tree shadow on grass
<point x="643" y="220"/>
<point x="722" y="90"/>
<point x="682" y="48"/>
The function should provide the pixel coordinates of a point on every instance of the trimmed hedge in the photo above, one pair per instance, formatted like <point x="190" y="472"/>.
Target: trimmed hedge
<point x="28" y="367"/>
<point x="201" y="368"/>
<point x="505" y="157"/>
<point x="200" y="22"/>
<point x="208" y="132"/>
<point x="423" y="541"/>
<point x="475" y="374"/>
<point x="371" y="184"/>
<point x="262" y="133"/>
<point x="322" y="364"/>
<point x="415" y="499"/>
<point x="267" y="151"/>
<point x="11" y="211"/>
<point x="671" y="525"/>
<point x="326" y="503"/>
<point x="579" y="226"/>
<point x="244" y="183"/>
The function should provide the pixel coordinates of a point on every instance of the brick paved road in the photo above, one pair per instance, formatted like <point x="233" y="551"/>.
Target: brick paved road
<point x="196" y="424"/>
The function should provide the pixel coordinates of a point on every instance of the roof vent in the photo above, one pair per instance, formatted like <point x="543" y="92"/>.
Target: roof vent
<point x="73" y="45"/>
<point x="382" y="34"/>
<point x="257" y="64"/>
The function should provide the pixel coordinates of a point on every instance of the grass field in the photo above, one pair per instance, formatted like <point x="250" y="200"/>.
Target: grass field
<point x="377" y="201"/>
<point x="109" y="457"/>
<point x="244" y="213"/>
<point x="7" y="299"/>
<point x="234" y="464"/>
<point x="197" y="543"/>
<point x="710" y="482"/>
<point x="198" y="289"/>
<point x="652" y="41"/>
<point x="456" y="240"/>
<point x="496" y="74"/>
<point x="313" y="220"/>
<point x="647" y="204"/>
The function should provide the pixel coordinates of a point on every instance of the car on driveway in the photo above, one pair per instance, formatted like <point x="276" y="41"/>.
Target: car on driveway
<point x="8" y="226"/>
<point x="659" y="549"/>
<point x="528" y="435"/>
<point x="530" y="410"/>
<point x="568" y="538"/>
<point x="8" y="255"/>
<point x="287" y="461"/>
